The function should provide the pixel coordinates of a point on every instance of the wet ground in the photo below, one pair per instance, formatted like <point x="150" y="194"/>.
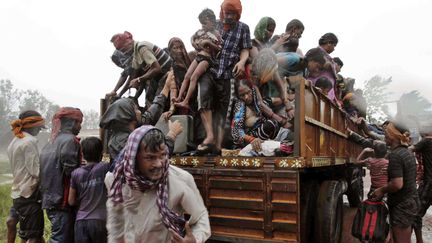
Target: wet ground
<point x="349" y="214"/>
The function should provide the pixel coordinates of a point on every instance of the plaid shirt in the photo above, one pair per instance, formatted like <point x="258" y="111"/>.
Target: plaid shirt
<point x="233" y="41"/>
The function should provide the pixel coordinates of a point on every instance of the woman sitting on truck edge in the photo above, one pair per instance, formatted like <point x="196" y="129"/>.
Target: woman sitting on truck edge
<point x="253" y="120"/>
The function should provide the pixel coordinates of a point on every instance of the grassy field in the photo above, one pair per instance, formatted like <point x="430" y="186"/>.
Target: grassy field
<point x="5" y="204"/>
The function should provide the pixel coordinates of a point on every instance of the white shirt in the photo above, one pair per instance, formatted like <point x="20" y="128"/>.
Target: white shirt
<point x="23" y="156"/>
<point x="137" y="219"/>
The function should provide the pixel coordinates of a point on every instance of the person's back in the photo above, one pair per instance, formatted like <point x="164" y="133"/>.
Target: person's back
<point x="63" y="150"/>
<point x="24" y="159"/>
<point x="377" y="164"/>
<point x="25" y="176"/>
<point x="424" y="147"/>
<point x="91" y="191"/>
<point x="88" y="191"/>
<point x="58" y="159"/>
<point x="378" y="172"/>
<point x="402" y="162"/>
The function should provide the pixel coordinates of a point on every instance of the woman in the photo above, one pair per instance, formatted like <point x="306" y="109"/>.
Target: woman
<point x="263" y="32"/>
<point x="253" y="120"/>
<point x="273" y="88"/>
<point x="178" y="53"/>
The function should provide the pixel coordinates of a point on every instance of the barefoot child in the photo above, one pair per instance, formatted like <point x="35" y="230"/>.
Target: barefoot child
<point x="207" y="42"/>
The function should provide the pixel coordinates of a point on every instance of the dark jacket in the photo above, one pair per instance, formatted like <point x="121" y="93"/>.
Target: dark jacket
<point x="57" y="161"/>
<point x="119" y="114"/>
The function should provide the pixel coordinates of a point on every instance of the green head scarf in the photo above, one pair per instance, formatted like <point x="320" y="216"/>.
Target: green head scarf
<point x="261" y="28"/>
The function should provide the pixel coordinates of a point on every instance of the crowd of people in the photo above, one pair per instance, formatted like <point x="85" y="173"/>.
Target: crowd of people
<point x="240" y="92"/>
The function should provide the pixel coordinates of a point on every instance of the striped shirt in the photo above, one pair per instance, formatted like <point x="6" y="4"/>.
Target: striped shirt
<point x="145" y="53"/>
<point x="402" y="163"/>
<point x="233" y="41"/>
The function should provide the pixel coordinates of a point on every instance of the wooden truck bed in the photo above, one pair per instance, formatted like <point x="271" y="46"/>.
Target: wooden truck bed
<point x="257" y="199"/>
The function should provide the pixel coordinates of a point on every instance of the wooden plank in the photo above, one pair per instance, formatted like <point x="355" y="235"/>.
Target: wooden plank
<point x="233" y="203"/>
<point x="236" y="183"/>
<point x="236" y="213"/>
<point x="286" y="207"/>
<point x="284" y="186"/>
<point x="237" y="223"/>
<point x="251" y="195"/>
<point x="218" y="230"/>
<point x="324" y="126"/>
<point x="285" y="227"/>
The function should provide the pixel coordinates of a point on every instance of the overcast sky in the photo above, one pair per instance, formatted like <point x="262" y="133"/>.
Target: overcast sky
<point x="63" y="49"/>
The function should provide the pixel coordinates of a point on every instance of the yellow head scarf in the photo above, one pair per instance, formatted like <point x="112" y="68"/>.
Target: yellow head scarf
<point x="394" y="134"/>
<point x="28" y="122"/>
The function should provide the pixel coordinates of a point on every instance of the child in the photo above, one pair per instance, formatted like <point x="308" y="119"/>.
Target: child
<point x="324" y="84"/>
<point x="377" y="164"/>
<point x="88" y="191"/>
<point x="207" y="43"/>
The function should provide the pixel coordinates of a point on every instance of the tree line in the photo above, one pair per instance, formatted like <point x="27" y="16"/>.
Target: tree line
<point x="14" y="100"/>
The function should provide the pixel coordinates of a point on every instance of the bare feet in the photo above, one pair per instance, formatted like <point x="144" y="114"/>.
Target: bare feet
<point x="176" y="99"/>
<point x="183" y="104"/>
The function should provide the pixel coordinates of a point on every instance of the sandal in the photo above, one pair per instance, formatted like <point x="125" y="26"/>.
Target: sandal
<point x="206" y="149"/>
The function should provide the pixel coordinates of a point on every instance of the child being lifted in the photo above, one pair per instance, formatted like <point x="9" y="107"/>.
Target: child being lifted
<point x="207" y="42"/>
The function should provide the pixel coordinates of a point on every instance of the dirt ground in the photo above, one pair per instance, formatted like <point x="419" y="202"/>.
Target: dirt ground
<point x="349" y="214"/>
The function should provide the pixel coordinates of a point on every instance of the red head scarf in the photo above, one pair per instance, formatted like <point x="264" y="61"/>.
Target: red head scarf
<point x="230" y="5"/>
<point x="120" y="41"/>
<point x="69" y="112"/>
<point x="28" y="122"/>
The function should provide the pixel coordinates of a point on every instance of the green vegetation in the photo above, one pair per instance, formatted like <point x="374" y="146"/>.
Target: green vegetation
<point x="5" y="204"/>
<point x="5" y="167"/>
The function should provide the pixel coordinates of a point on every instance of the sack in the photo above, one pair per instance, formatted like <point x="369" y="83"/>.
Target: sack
<point x="370" y="223"/>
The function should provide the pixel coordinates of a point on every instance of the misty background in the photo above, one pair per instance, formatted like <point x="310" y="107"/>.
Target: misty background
<point x="57" y="53"/>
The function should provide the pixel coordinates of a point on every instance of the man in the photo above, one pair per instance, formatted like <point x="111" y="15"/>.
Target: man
<point x="236" y="43"/>
<point x="24" y="159"/>
<point x="424" y="147"/>
<point x="58" y="159"/>
<point x="401" y="188"/>
<point x="11" y="224"/>
<point x="150" y="64"/>
<point x="88" y="191"/>
<point x="148" y="196"/>
<point x="124" y="62"/>
<point x="123" y="116"/>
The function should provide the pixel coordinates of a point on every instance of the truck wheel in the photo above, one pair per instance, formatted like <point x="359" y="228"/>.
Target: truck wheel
<point x="329" y="212"/>
<point x="308" y="197"/>
<point x="355" y="188"/>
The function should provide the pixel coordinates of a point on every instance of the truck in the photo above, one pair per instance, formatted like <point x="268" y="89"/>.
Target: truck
<point x="297" y="198"/>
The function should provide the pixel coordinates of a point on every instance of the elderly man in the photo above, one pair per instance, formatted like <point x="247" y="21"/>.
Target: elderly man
<point x="148" y="197"/>
<point x="58" y="159"/>
<point x="23" y="155"/>
<point x="149" y="64"/>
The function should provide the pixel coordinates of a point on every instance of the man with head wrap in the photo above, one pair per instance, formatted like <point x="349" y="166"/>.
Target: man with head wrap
<point x="231" y="62"/>
<point x="58" y="159"/>
<point x="403" y="199"/>
<point x="150" y="64"/>
<point x="23" y="156"/>
<point x="148" y="196"/>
